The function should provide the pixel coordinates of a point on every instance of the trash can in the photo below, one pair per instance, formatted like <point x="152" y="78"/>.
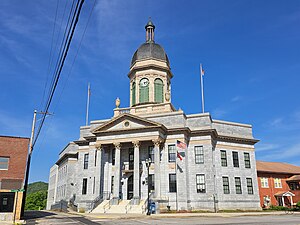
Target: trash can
<point x="152" y="208"/>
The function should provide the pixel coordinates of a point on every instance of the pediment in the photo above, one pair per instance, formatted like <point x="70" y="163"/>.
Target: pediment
<point x="126" y="122"/>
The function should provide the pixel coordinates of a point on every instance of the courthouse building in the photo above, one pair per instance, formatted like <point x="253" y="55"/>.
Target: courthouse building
<point x="116" y="161"/>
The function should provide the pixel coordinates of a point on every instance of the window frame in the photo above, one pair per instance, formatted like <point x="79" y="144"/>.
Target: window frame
<point x="247" y="160"/>
<point x="226" y="188"/>
<point x="264" y="181"/>
<point x="84" y="186"/>
<point x="238" y="185"/>
<point x="86" y="161"/>
<point x="199" y="154"/>
<point x="200" y="183"/>
<point x="249" y="186"/>
<point x="172" y="183"/>
<point x="4" y="161"/>
<point x="223" y="159"/>
<point x="235" y="159"/>
<point x="172" y="155"/>
<point x="277" y="183"/>
<point x="113" y="156"/>
<point x="158" y="90"/>
<point x="133" y="93"/>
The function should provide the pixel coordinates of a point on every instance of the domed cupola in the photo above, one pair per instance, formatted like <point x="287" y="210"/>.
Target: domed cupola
<point x="150" y="74"/>
<point x="150" y="50"/>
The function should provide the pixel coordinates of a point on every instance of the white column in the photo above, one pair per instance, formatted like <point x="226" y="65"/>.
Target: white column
<point x="117" y="170"/>
<point x="157" y="166"/>
<point x="282" y="199"/>
<point x="136" y="173"/>
<point x="292" y="203"/>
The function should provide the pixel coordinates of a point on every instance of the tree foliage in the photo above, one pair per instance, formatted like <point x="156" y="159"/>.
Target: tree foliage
<point x="37" y="186"/>
<point x="36" y="197"/>
<point x="36" y="201"/>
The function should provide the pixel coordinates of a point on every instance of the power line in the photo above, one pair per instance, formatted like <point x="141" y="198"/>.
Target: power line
<point x="61" y="63"/>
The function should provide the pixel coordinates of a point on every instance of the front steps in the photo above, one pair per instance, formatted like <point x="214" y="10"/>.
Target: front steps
<point x="123" y="207"/>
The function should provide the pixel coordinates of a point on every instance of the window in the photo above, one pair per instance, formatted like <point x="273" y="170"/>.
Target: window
<point x="84" y="186"/>
<point x="238" y="186"/>
<point x="144" y="90"/>
<point x="249" y="186"/>
<point x="96" y="152"/>
<point x="226" y="185"/>
<point x="172" y="153"/>
<point x="94" y="183"/>
<point x="151" y="153"/>
<point x="158" y="91"/>
<point x="172" y="183"/>
<point x="112" y="184"/>
<point x="294" y="186"/>
<point x="247" y="160"/>
<point x="223" y="158"/>
<point x="4" y="163"/>
<point x="113" y="156"/>
<point x="264" y="182"/>
<point x="199" y="155"/>
<point x="277" y="182"/>
<point x="86" y="161"/>
<point x="151" y="182"/>
<point x="133" y="100"/>
<point x="200" y="183"/>
<point x="235" y="157"/>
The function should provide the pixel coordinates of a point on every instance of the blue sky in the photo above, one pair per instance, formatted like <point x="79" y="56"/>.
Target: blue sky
<point x="250" y="51"/>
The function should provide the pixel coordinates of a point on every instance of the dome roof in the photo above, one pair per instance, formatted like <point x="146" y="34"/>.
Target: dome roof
<point x="150" y="50"/>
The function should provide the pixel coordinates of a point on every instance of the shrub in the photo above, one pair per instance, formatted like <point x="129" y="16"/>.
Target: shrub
<point x="279" y="208"/>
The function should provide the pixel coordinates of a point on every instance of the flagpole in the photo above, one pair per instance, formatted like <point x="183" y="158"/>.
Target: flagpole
<point x="176" y="179"/>
<point x="201" y="83"/>
<point x="88" y="105"/>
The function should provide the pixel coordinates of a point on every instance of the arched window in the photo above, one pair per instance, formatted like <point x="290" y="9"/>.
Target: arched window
<point x="158" y="91"/>
<point x="133" y="100"/>
<point x="144" y="90"/>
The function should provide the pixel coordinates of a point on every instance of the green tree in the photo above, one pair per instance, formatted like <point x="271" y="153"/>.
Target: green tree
<point x="36" y="201"/>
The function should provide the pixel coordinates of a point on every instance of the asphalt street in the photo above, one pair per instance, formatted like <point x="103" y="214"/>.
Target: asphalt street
<point x="49" y="218"/>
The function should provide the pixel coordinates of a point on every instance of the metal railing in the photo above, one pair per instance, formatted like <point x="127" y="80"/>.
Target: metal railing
<point x="129" y="206"/>
<point x="107" y="206"/>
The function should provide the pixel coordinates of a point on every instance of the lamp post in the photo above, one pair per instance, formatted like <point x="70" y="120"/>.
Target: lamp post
<point x="148" y="164"/>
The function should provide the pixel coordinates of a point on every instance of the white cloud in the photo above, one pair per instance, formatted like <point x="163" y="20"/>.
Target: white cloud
<point x="236" y="98"/>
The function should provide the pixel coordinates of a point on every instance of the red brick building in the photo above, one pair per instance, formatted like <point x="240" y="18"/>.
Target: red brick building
<point x="13" y="157"/>
<point x="279" y="183"/>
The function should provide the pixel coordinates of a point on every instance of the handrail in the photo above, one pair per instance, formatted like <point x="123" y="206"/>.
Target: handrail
<point x="128" y="206"/>
<point x="109" y="205"/>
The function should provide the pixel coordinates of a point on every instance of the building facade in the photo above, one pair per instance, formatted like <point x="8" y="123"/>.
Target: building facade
<point x="116" y="162"/>
<point x="279" y="184"/>
<point x="13" y="157"/>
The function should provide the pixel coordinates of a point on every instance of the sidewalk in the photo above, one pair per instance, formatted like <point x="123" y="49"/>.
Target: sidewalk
<point x="178" y="215"/>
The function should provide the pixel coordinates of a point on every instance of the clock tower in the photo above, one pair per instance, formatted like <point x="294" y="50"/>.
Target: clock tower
<point x="150" y="73"/>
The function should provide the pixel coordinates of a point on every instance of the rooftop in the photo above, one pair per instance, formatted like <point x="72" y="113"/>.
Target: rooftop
<point x="277" y="167"/>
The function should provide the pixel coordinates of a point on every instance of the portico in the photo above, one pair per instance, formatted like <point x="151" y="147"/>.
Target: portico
<point x="127" y="175"/>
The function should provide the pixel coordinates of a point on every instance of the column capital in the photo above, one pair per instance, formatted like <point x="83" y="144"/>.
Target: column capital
<point x="117" y="145"/>
<point x="157" y="142"/>
<point x="98" y="146"/>
<point x="136" y="144"/>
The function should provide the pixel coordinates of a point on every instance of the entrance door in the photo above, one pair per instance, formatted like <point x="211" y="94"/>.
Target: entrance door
<point x="130" y="187"/>
<point x="131" y="158"/>
<point x="7" y="201"/>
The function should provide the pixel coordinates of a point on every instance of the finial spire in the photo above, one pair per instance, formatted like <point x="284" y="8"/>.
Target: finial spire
<point x="149" y="31"/>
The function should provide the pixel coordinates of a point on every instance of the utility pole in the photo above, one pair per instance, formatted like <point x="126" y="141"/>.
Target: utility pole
<point x="29" y="159"/>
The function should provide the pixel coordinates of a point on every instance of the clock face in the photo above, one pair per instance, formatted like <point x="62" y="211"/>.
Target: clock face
<point x="144" y="82"/>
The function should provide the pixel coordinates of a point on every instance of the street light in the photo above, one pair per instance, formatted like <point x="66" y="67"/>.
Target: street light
<point x="148" y="164"/>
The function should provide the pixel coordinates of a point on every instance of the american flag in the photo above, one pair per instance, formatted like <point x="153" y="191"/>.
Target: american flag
<point x="181" y="144"/>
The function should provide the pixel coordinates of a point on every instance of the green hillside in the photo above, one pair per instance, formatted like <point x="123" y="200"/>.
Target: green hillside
<point x="37" y="186"/>
<point x="36" y="196"/>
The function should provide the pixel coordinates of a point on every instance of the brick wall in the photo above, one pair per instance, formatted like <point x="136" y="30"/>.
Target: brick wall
<point x="16" y="149"/>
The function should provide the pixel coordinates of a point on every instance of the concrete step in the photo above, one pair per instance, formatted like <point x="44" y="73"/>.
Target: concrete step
<point x="121" y="208"/>
<point x="137" y="209"/>
<point x="100" y="207"/>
